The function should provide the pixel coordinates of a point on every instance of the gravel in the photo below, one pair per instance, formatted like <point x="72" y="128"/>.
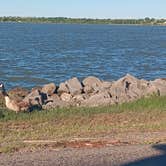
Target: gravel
<point x="125" y="155"/>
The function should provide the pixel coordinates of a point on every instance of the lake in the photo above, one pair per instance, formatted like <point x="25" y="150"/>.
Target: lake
<point x="36" y="54"/>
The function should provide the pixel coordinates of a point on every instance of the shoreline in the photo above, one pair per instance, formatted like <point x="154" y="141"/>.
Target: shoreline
<point x="113" y="24"/>
<point x="90" y="92"/>
<point x="70" y="20"/>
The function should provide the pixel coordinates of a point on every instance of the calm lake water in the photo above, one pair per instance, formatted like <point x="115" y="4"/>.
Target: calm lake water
<point x="35" y="54"/>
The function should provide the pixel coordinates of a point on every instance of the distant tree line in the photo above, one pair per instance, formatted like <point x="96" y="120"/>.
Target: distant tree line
<point x="65" y="20"/>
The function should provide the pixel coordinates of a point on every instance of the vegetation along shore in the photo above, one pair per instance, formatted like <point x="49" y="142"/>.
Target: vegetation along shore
<point x="65" y="20"/>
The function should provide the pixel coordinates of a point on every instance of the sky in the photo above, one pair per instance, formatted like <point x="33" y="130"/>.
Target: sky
<point x="84" y="8"/>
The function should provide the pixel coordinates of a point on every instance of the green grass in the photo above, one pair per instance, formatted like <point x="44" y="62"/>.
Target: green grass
<point x="146" y="114"/>
<point x="144" y="104"/>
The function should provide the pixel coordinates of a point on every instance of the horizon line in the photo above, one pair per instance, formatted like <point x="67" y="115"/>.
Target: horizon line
<point x="84" y="17"/>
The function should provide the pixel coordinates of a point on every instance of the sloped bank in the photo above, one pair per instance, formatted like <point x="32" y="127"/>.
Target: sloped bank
<point x="90" y="92"/>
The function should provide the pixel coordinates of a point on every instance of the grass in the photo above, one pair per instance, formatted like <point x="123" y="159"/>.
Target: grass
<point x="146" y="114"/>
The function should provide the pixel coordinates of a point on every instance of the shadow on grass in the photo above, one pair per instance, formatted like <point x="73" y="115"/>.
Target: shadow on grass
<point x="159" y="160"/>
<point x="1" y="114"/>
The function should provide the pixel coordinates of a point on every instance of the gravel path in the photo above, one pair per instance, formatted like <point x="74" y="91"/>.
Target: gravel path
<point x="152" y="155"/>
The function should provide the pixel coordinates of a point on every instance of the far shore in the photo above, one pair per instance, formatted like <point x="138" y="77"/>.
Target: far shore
<point x="15" y="22"/>
<point x="65" y="20"/>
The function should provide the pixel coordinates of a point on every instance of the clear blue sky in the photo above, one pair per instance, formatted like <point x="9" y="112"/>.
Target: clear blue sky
<point x="84" y="8"/>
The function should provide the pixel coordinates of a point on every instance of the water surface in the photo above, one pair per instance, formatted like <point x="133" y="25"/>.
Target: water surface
<point x="35" y="54"/>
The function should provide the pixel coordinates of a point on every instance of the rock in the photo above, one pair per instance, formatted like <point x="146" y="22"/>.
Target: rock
<point x="100" y="99"/>
<point x="54" y="101"/>
<point x="18" y="93"/>
<point x="35" y="98"/>
<point x="88" y="90"/>
<point x="36" y="88"/>
<point x="147" y="88"/>
<point x="49" y="89"/>
<point x="92" y="92"/>
<point x="74" y="86"/>
<point x="160" y="84"/>
<point x="52" y="98"/>
<point x="91" y="80"/>
<point x="78" y="99"/>
<point x="66" y="97"/>
<point x="130" y="88"/>
<point x="106" y="85"/>
<point x="91" y="84"/>
<point x="62" y="89"/>
<point x="120" y="89"/>
<point x="55" y="104"/>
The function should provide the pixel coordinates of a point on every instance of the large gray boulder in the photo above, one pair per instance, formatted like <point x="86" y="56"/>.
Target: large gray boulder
<point x="91" y="84"/>
<point x="129" y="88"/>
<point x="74" y="86"/>
<point x="62" y="88"/>
<point x="120" y="88"/>
<point x="91" y="80"/>
<point x="160" y="84"/>
<point x="49" y="89"/>
<point x="100" y="99"/>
